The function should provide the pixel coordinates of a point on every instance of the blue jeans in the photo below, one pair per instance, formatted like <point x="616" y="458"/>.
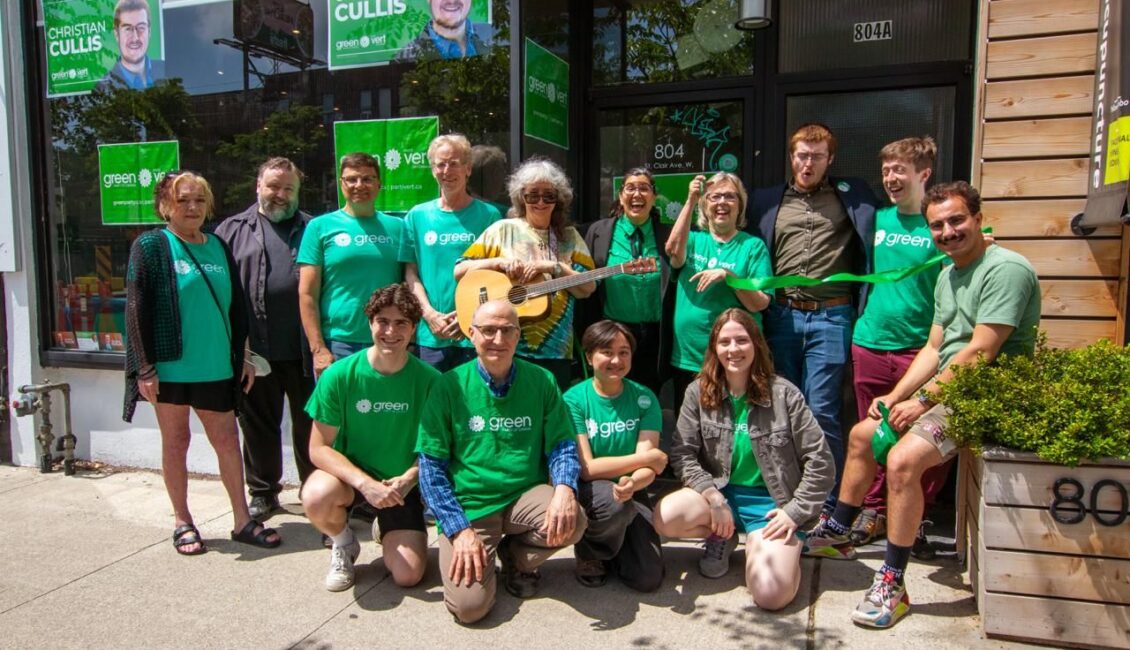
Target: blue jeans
<point x="812" y="349"/>
<point x="342" y="349"/>
<point x="444" y="359"/>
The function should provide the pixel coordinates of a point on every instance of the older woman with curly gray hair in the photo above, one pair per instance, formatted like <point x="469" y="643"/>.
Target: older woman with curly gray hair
<point x="536" y="243"/>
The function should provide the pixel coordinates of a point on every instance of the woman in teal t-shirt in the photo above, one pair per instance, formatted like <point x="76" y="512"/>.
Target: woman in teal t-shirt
<point x="705" y="257"/>
<point x="186" y="333"/>
<point x="617" y="423"/>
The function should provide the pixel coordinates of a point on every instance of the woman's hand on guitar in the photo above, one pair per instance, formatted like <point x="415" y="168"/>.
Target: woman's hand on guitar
<point x="521" y="272"/>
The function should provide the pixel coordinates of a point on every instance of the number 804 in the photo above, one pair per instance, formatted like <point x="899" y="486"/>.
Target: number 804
<point x="1069" y="492"/>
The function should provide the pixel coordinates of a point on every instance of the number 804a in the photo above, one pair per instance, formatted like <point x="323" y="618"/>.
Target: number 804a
<point x="1069" y="507"/>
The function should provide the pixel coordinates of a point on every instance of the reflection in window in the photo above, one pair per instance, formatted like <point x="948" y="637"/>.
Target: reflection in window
<point x="668" y="40"/>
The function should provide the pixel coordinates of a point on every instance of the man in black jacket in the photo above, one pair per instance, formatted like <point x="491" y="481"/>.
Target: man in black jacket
<point x="264" y="240"/>
<point x="814" y="226"/>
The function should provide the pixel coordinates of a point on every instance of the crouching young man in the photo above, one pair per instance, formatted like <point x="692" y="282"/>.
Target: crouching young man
<point x="366" y="411"/>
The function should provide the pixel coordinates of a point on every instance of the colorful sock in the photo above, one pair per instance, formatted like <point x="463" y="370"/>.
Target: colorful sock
<point x="842" y="518"/>
<point x="344" y="538"/>
<point x="896" y="560"/>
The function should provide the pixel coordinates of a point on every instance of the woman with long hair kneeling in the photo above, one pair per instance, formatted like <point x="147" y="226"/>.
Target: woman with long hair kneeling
<point x="752" y="459"/>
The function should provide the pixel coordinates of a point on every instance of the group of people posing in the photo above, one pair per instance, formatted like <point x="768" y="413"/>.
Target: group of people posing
<point x="485" y="426"/>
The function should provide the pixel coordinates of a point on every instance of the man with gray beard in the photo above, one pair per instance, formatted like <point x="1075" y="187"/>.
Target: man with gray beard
<point x="264" y="240"/>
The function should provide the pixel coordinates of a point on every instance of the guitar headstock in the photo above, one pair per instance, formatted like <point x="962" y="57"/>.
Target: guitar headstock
<point x="641" y="265"/>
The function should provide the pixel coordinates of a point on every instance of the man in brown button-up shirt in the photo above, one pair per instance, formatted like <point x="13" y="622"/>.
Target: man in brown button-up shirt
<point x="815" y="226"/>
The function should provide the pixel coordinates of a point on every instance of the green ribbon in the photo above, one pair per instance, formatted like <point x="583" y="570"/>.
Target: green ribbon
<point x="893" y="275"/>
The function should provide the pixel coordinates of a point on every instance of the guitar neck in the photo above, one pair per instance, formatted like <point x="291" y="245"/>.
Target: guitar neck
<point x="560" y="284"/>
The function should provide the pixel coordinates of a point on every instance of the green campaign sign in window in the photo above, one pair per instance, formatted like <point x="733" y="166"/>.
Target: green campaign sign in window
<point x="374" y="32"/>
<point x="84" y="51"/>
<point x="127" y="174"/>
<point x="670" y="192"/>
<point x="546" y="96"/>
<point x="401" y="148"/>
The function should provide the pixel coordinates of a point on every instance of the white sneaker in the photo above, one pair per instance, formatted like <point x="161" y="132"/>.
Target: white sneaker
<point x="715" y="560"/>
<point x="341" y="572"/>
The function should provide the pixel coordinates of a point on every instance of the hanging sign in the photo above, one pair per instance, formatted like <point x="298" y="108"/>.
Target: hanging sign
<point x="374" y="32"/>
<point x="401" y="147"/>
<point x="127" y="175"/>
<point x="545" y="96"/>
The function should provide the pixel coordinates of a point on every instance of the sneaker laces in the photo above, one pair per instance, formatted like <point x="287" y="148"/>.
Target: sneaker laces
<point x="883" y="590"/>
<point x="714" y="548"/>
<point x="337" y="559"/>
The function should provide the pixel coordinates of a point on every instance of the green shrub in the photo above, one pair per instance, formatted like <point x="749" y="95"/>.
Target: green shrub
<point x="1064" y="405"/>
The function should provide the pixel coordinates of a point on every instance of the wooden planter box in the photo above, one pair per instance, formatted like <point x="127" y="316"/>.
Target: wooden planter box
<point x="1037" y="578"/>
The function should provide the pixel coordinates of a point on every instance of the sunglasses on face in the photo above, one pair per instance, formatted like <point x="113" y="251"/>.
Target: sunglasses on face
<point x="533" y="198"/>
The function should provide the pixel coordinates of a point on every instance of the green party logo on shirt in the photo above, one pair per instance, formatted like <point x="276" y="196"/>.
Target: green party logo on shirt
<point x="344" y="239"/>
<point x="522" y="423"/>
<point x="890" y="240"/>
<point x="644" y="402"/>
<point x="606" y="429"/>
<point x="431" y="238"/>
<point x="366" y="406"/>
<point x="184" y="268"/>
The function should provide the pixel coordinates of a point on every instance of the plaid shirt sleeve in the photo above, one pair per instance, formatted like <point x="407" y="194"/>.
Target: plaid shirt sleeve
<point x="435" y="485"/>
<point x="564" y="464"/>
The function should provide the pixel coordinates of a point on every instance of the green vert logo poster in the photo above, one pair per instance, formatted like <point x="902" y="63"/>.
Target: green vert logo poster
<point x="670" y="192"/>
<point x="401" y="147"/>
<point x="82" y="46"/>
<point x="545" y="96"/>
<point x="374" y="32"/>
<point x="127" y="174"/>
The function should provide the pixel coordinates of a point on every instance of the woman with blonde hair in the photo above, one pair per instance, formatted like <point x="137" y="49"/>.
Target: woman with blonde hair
<point x="186" y="337"/>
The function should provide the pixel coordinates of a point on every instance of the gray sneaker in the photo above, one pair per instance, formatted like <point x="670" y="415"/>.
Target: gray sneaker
<point x="341" y="574"/>
<point x="715" y="560"/>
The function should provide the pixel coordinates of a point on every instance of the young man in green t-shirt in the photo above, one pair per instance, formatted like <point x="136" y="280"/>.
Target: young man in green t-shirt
<point x="986" y="303"/>
<point x="498" y="468"/>
<point x="366" y="411"/>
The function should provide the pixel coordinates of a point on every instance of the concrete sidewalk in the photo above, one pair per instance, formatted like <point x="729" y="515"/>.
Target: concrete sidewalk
<point x="87" y="561"/>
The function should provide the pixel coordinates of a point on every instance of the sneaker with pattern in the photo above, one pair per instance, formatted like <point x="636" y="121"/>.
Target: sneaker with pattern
<point x="869" y="526"/>
<point x="822" y="542"/>
<point x="885" y="603"/>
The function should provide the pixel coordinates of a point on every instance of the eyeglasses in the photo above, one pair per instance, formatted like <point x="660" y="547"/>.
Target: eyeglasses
<point x="140" y="29"/>
<point x="533" y="198"/>
<point x="358" y="180"/>
<point x="637" y="189"/>
<point x="716" y="197"/>
<point x="810" y="157"/>
<point x="491" y="331"/>
<point x="444" y="165"/>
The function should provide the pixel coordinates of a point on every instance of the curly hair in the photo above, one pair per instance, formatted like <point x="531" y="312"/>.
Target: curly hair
<point x="541" y="170"/>
<point x="712" y="376"/>
<point x="960" y="189"/>
<point x="618" y="208"/>
<point x="395" y="295"/>
<point x="743" y="199"/>
<point x="165" y="193"/>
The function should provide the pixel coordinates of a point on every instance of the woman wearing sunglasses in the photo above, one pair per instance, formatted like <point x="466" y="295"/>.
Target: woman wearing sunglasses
<point x="640" y="301"/>
<point x="705" y="258"/>
<point x="538" y="243"/>
<point x="186" y="337"/>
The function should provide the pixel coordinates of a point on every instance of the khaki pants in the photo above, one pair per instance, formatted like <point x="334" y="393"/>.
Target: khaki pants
<point x="521" y="521"/>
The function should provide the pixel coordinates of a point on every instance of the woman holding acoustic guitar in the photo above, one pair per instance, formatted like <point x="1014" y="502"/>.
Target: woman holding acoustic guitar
<point x="536" y="244"/>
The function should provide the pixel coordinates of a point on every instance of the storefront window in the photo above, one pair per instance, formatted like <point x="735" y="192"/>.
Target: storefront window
<point x="668" y="40"/>
<point x="229" y="83"/>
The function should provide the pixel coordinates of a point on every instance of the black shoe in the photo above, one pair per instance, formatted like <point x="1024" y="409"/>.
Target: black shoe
<point x="263" y="507"/>
<point x="923" y="548"/>
<point x="520" y="584"/>
<point x="326" y="541"/>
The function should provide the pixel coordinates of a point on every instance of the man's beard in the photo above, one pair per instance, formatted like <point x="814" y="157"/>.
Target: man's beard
<point x="275" y="214"/>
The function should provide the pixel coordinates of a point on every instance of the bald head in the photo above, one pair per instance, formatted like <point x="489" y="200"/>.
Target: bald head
<point x="495" y="332"/>
<point x="495" y="309"/>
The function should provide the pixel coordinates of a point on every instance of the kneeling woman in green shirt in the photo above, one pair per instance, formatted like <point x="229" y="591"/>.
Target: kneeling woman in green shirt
<point x="752" y="459"/>
<point x="617" y="422"/>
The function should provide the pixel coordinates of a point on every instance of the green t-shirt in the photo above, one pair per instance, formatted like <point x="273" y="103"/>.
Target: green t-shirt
<point x="632" y="298"/>
<point x="205" y="338"/>
<point x="695" y="311"/>
<point x="377" y="415"/>
<point x="357" y="256"/>
<point x="744" y="469"/>
<point x="898" y="314"/>
<point x="999" y="289"/>
<point x="435" y="240"/>
<point x="496" y="447"/>
<point x="613" y="424"/>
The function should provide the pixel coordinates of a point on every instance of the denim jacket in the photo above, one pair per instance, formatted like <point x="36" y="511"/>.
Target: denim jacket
<point x="795" y="460"/>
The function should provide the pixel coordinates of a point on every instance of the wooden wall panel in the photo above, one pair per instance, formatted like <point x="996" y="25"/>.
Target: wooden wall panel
<point x="1072" y="258"/>
<point x="1070" y="333"/>
<point x="1093" y="298"/>
<point x="1041" y="17"/>
<point x="1036" y="218"/>
<point x="1039" y="97"/>
<point x="1034" y="179"/>
<point x="1029" y="138"/>
<point x="1040" y="57"/>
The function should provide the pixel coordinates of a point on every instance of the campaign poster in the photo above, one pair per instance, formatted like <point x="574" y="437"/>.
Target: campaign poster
<point x="670" y="192"/>
<point x="127" y="176"/>
<point x="85" y="51"/>
<point x="545" y="96"/>
<point x="375" y="32"/>
<point x="400" y="145"/>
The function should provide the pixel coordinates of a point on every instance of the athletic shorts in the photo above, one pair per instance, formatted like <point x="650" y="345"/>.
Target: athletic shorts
<point x="931" y="427"/>
<point x="750" y="505"/>
<point x="202" y="395"/>
<point x="409" y="516"/>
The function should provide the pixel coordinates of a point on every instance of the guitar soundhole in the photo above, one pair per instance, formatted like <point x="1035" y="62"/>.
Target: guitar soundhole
<point x="516" y="295"/>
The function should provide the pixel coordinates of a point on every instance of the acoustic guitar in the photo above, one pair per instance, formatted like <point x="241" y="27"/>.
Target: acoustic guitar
<point x="532" y="301"/>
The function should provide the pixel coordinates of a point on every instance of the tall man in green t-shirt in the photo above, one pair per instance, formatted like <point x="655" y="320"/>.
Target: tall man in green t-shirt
<point x="498" y="467"/>
<point x="366" y="411"/>
<point x="986" y="304"/>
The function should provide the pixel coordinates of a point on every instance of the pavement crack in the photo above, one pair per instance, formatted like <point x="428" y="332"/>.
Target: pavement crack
<point x="813" y="594"/>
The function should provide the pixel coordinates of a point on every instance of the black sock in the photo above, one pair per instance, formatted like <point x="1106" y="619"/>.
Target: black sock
<point x="842" y="518"/>
<point x="897" y="559"/>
